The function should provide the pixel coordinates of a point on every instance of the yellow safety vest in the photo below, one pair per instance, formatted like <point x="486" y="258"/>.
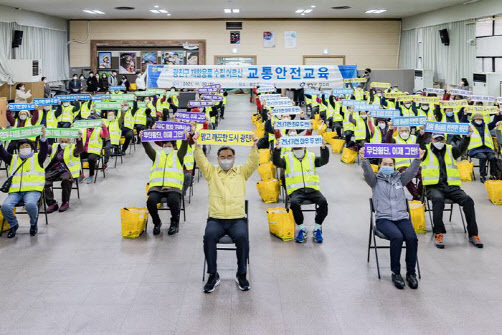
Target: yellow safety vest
<point x="151" y="106"/>
<point x="67" y="114"/>
<point x="430" y="115"/>
<point x="166" y="171"/>
<point x="455" y="117"/>
<point x="390" y="105"/>
<point x="51" y="121"/>
<point x="377" y="135"/>
<point x="347" y="125"/>
<point x="175" y="100"/>
<point x="337" y="117"/>
<point x="114" y="130"/>
<point x="330" y="110"/>
<point x="360" y="128"/>
<point x="140" y="117"/>
<point x="95" y="141"/>
<point x="477" y="141"/>
<point x="85" y="110"/>
<point x="30" y="177"/>
<point x="359" y="93"/>
<point x="72" y="163"/>
<point x="430" y="168"/>
<point x="128" y="120"/>
<point x="314" y="102"/>
<point x="407" y="111"/>
<point x="404" y="162"/>
<point x="188" y="160"/>
<point x="301" y="174"/>
<point x="224" y="100"/>
<point x="308" y="101"/>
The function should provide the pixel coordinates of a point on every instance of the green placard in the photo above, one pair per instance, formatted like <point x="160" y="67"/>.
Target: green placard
<point x="140" y="104"/>
<point x="108" y="105"/>
<point x="62" y="133"/>
<point x="122" y="97"/>
<point x="20" y="133"/>
<point x="144" y="94"/>
<point x="156" y="91"/>
<point x="95" y="123"/>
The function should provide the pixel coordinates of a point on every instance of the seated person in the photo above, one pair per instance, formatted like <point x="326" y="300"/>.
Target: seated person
<point x="64" y="165"/>
<point x="481" y="146"/>
<point x="391" y="214"/>
<point x="93" y="145"/>
<point x="302" y="183"/>
<point x="23" y="119"/>
<point x="166" y="181"/>
<point x="227" y="192"/>
<point x="27" y="183"/>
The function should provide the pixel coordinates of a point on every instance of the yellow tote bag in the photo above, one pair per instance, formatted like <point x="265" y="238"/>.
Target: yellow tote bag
<point x="374" y="167"/>
<point x="417" y="213"/>
<point x="133" y="221"/>
<point x="269" y="190"/>
<point x="349" y="156"/>
<point x="6" y="225"/>
<point x="264" y="156"/>
<point x="259" y="130"/>
<point x="466" y="170"/>
<point x="494" y="189"/>
<point x="281" y="223"/>
<point x="337" y="145"/>
<point x="267" y="171"/>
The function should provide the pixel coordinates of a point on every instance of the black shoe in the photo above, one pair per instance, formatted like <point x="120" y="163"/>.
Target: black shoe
<point x="482" y="179"/>
<point x="156" y="228"/>
<point x="242" y="282"/>
<point x="33" y="230"/>
<point x="212" y="282"/>
<point x="12" y="231"/>
<point x="398" y="281"/>
<point x="173" y="228"/>
<point x="412" y="281"/>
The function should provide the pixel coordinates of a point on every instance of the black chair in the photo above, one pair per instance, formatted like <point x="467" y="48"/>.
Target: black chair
<point x="372" y="238"/>
<point x="190" y="187"/>
<point x="116" y="152"/>
<point x="226" y="243"/>
<point x="428" y="208"/>
<point x="40" y="203"/>
<point x="165" y="207"/>
<point x="303" y="203"/>
<point x="74" y="186"/>
<point x="99" y="166"/>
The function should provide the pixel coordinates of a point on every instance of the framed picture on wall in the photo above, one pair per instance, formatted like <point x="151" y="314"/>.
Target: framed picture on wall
<point x="127" y="64"/>
<point x="235" y="37"/>
<point x="268" y="39"/>
<point x="192" y="58"/>
<point x="174" y="58"/>
<point x="105" y="60"/>
<point x="149" y="57"/>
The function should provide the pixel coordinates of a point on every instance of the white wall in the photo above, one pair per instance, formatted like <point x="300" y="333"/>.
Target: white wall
<point x="32" y="19"/>
<point x="454" y="13"/>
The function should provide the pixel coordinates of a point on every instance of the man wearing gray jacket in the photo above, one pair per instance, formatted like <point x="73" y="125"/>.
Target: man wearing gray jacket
<point x="391" y="213"/>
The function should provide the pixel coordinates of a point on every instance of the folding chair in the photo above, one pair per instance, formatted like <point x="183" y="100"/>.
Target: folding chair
<point x="190" y="187"/>
<point x="40" y="203"/>
<point x="372" y="238"/>
<point x="226" y="243"/>
<point x="165" y="207"/>
<point x="6" y="167"/>
<point x="74" y="186"/>
<point x="99" y="166"/>
<point x="116" y="152"/>
<point x="428" y="208"/>
<point x="303" y="203"/>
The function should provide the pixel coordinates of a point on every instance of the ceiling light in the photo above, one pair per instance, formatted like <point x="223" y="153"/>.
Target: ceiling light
<point x="236" y="10"/>
<point x="234" y="50"/>
<point x="169" y="14"/>
<point x="163" y="11"/>
<point x="154" y="11"/>
<point x="156" y="6"/>
<point x="99" y="12"/>
<point x="307" y="11"/>
<point x="341" y="7"/>
<point x="298" y="11"/>
<point x="227" y="10"/>
<point x="375" y="11"/>
<point x="325" y="51"/>
<point x="312" y="6"/>
<point x="124" y="8"/>
<point x="302" y="14"/>
<point x="89" y="11"/>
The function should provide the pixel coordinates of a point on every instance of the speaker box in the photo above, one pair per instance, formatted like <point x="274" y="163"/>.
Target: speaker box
<point x="443" y="34"/>
<point x="18" y="38"/>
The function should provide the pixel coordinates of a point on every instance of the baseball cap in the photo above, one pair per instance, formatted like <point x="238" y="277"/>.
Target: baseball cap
<point x="436" y="135"/>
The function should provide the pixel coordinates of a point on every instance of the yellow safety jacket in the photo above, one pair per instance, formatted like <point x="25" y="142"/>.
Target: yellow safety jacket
<point x="430" y="168"/>
<point x="455" y="117"/>
<point x="407" y="111"/>
<point x="30" y="177"/>
<point x="477" y="141"/>
<point x="166" y="171"/>
<point x="301" y="174"/>
<point x="330" y="110"/>
<point x="95" y="141"/>
<point x="404" y="162"/>
<point x="224" y="100"/>
<point x="188" y="160"/>
<point x="114" y="130"/>
<point x="175" y="100"/>
<point x="337" y="117"/>
<point x="360" y="128"/>
<point x="140" y="117"/>
<point x="347" y="125"/>
<point x="85" y="110"/>
<point x="67" y="114"/>
<point x="359" y="93"/>
<point x="50" y="120"/>
<point x="72" y="163"/>
<point x="377" y="135"/>
<point x="128" y="119"/>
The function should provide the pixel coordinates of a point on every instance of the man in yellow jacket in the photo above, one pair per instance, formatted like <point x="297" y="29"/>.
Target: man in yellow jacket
<point x="227" y="216"/>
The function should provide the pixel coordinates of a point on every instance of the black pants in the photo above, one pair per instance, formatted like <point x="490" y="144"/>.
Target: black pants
<point x="486" y="156"/>
<point x="92" y="159"/>
<point x="438" y="193"/>
<point x="348" y="137"/>
<point x="128" y="135"/>
<point x="64" y="124"/>
<point x="66" y="182"/>
<point x="174" y="108"/>
<point x="297" y="197"/>
<point x="187" y="181"/>
<point x="222" y="111"/>
<point x="237" y="230"/>
<point x="107" y="146"/>
<point x="338" y="127"/>
<point x="173" y="200"/>
<point x="165" y="114"/>
<point x="139" y="128"/>
<point x="397" y="232"/>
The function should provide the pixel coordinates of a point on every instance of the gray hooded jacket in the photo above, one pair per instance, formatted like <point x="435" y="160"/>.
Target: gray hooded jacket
<point x="388" y="197"/>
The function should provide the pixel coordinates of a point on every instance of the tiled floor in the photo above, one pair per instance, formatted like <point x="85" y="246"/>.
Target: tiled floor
<point x="79" y="276"/>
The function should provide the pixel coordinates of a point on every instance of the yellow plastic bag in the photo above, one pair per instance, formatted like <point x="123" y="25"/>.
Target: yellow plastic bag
<point x="466" y="170"/>
<point x="281" y="223"/>
<point x="349" y="156"/>
<point x="264" y="156"/>
<point x="6" y="225"/>
<point x="267" y="171"/>
<point x="417" y="213"/>
<point x="322" y="128"/>
<point x="494" y="189"/>
<point x="337" y="145"/>
<point x="259" y="131"/>
<point x="269" y="190"/>
<point x="133" y="221"/>
<point x="374" y="167"/>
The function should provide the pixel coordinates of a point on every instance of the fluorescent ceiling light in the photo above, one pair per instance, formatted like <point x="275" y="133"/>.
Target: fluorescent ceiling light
<point x="227" y="10"/>
<point x="375" y="11"/>
<point x="236" y="10"/>
<point x="99" y="12"/>
<point x="156" y="6"/>
<point x="307" y="11"/>
<point x="163" y="11"/>
<point x="169" y="14"/>
<point x="312" y="6"/>
<point x="298" y="11"/>
<point x="154" y="11"/>
<point x="302" y="14"/>
<point x="89" y="11"/>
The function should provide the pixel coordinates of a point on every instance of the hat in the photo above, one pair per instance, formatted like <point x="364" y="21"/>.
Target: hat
<point x="477" y="116"/>
<point x="436" y="135"/>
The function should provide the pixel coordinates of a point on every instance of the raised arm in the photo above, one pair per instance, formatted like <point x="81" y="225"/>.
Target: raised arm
<point x="369" y="175"/>
<point x="251" y="163"/>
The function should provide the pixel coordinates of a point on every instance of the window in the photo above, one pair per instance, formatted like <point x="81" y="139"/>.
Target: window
<point x="484" y="27"/>
<point x="498" y="25"/>
<point x="498" y="64"/>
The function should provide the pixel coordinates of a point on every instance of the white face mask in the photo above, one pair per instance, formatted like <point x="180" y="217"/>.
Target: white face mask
<point x="172" y="89"/>
<point x="299" y="153"/>
<point x="379" y="94"/>
<point x="364" y="116"/>
<point x="438" y="145"/>
<point x="407" y="105"/>
<point x="91" y="75"/>
<point x="168" y="150"/>
<point x="63" y="145"/>
<point x="405" y="135"/>
<point x="449" y="113"/>
<point x="124" y="109"/>
<point x="66" y="104"/>
<point x="226" y="164"/>
<point x="425" y="108"/>
<point x="25" y="152"/>
<point x="381" y="125"/>
<point x="23" y="117"/>
<point x="47" y="108"/>
<point x="110" y="117"/>
<point x="478" y="122"/>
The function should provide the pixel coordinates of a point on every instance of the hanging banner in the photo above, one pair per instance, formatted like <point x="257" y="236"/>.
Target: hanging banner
<point x="375" y="84"/>
<point x="355" y="80"/>
<point x="266" y="89"/>
<point x="150" y="135"/>
<point x="62" y="133"/>
<point x="122" y="97"/>
<point x="453" y="103"/>
<point x="481" y="98"/>
<point x="282" y="102"/>
<point x="200" y="103"/>
<point x="291" y="110"/>
<point x="482" y="109"/>
<point x="409" y="121"/>
<point x="439" y="91"/>
<point x="225" y="137"/>
<point x="179" y="126"/>
<point x="21" y="107"/>
<point x="383" y="150"/>
<point x="426" y="100"/>
<point x="385" y="113"/>
<point x="293" y="124"/>
<point x="45" y="102"/>
<point x="282" y="76"/>
<point x="342" y="91"/>
<point x="20" y="133"/>
<point x="93" y="123"/>
<point x="460" y="92"/>
<point x="447" y="128"/>
<point x="300" y="141"/>
<point x="188" y="116"/>
<point x="108" y="105"/>
<point x="212" y="97"/>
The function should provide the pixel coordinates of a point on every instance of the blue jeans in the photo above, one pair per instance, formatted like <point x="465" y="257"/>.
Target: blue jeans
<point x="30" y="200"/>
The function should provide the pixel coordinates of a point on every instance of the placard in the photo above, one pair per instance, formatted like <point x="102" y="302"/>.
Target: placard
<point x="206" y="89"/>
<point x="150" y="135"/>
<point x="45" y="102"/>
<point x="481" y="98"/>
<point x="447" y="128"/>
<point x="73" y="97"/>
<point x="212" y="97"/>
<point x="108" y="105"/>
<point x="92" y="123"/>
<point x="21" y="107"/>
<point x="189" y="116"/>
<point x="281" y="102"/>
<point x="144" y="94"/>
<point x="116" y="88"/>
<point x="349" y="102"/>
<point x="396" y="96"/>
<point x="439" y="91"/>
<point x="266" y="97"/>
<point x="460" y="92"/>
<point x="122" y="97"/>
<point x="100" y="97"/>
<point x="426" y="100"/>
<point x="375" y="84"/>
<point x="367" y="108"/>
<point x="165" y="125"/>
<point x="312" y="92"/>
<point x="266" y="89"/>
<point x="62" y="133"/>
<point x="482" y="109"/>
<point x="218" y="86"/>
<point x="384" y="150"/>
<point x="293" y="124"/>
<point x="355" y="80"/>
<point x="385" y="113"/>
<point x="300" y="141"/>
<point x="20" y="133"/>
<point x="453" y="103"/>
<point x="156" y="91"/>
<point x="199" y="103"/>
<point x="409" y="121"/>
<point x="225" y="137"/>
<point x="291" y="110"/>
<point x="342" y="91"/>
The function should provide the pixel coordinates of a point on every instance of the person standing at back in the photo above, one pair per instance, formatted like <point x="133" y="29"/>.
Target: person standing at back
<point x="74" y="86"/>
<point x="22" y="95"/>
<point x="113" y="80"/>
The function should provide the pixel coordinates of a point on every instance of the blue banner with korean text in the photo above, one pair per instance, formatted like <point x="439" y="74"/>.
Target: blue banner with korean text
<point x="383" y="150"/>
<point x="453" y="128"/>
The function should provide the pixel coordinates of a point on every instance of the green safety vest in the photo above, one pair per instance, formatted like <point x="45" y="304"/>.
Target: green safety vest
<point x="430" y="168"/>
<point x="166" y="171"/>
<point x="301" y="174"/>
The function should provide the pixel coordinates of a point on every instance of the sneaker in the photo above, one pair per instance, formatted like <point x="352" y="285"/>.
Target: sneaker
<point x="412" y="281"/>
<point x="52" y="208"/>
<point x="318" y="236"/>
<point x="33" y="230"/>
<point x="88" y="180"/>
<point x="398" y="281"/>
<point x="300" y="237"/>
<point x="476" y="241"/>
<point x="156" y="228"/>
<point x="105" y="166"/>
<point x="243" y="283"/>
<point x="482" y="179"/>
<point x="212" y="282"/>
<point x="12" y="231"/>
<point x="439" y="241"/>
<point x="80" y="179"/>
<point x="64" y="207"/>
